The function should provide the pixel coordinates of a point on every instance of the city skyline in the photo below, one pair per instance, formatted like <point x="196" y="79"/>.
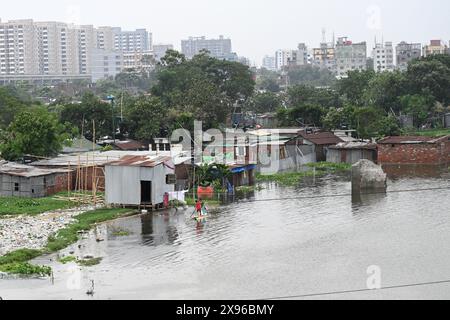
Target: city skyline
<point x="268" y="25"/>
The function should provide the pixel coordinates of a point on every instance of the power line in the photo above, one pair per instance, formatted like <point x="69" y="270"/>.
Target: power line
<point x="311" y="295"/>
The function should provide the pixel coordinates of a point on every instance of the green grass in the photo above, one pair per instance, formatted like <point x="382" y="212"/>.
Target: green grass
<point x="431" y="133"/>
<point x="290" y="179"/>
<point x="22" y="255"/>
<point x="89" y="262"/>
<point x="26" y="269"/>
<point x="16" y="262"/>
<point x="67" y="259"/>
<point x="84" y="222"/>
<point x="18" y="206"/>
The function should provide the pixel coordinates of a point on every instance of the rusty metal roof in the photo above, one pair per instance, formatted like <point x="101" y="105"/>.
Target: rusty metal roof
<point x="140" y="161"/>
<point x="321" y="138"/>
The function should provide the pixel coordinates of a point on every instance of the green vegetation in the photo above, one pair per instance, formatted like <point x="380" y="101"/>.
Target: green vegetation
<point x="431" y="133"/>
<point x="89" y="262"/>
<point x="290" y="179"/>
<point x="328" y="166"/>
<point x="18" y="256"/>
<point x="67" y="259"/>
<point x="85" y="221"/>
<point x="120" y="233"/>
<point x="17" y="262"/>
<point x="26" y="269"/>
<point x="17" y="206"/>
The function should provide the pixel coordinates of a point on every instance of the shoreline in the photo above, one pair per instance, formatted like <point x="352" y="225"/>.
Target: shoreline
<point x="50" y="233"/>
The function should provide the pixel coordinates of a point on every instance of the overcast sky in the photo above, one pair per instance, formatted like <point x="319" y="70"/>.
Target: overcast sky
<point x="256" y="27"/>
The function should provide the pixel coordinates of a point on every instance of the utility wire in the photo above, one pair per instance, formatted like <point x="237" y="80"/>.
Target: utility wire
<point x="359" y="290"/>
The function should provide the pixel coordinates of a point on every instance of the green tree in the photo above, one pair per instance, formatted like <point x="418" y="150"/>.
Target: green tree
<point x="90" y="109"/>
<point x="145" y="118"/>
<point x="264" y="102"/>
<point x="10" y="105"/>
<point x="36" y="132"/>
<point x="430" y="76"/>
<point x="353" y="88"/>
<point x="310" y="75"/>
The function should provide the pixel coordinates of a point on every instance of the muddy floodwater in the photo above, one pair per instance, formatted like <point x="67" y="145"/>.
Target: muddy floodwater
<point x="262" y="248"/>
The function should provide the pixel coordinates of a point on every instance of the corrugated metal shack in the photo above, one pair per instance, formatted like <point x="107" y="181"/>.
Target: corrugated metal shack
<point x="17" y="180"/>
<point x="139" y="181"/>
<point x="352" y="152"/>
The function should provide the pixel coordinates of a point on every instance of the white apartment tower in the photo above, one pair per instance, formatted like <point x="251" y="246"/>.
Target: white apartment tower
<point x="17" y="48"/>
<point x="383" y="57"/>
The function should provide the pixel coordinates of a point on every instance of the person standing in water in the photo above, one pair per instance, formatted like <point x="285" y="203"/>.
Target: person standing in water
<point x="198" y="207"/>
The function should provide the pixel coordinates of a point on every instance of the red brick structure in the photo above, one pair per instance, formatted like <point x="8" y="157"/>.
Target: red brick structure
<point x="414" y="150"/>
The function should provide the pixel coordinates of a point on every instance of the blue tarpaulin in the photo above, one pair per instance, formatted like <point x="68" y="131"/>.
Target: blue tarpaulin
<point x="243" y="169"/>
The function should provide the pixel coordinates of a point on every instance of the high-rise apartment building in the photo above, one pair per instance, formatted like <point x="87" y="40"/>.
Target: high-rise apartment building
<point x="18" y="46"/>
<point x="405" y="53"/>
<point x="218" y="48"/>
<point x="105" y="64"/>
<point x="132" y="41"/>
<point x="55" y="48"/>
<point x="383" y="57"/>
<point x="269" y="63"/>
<point x="350" y="56"/>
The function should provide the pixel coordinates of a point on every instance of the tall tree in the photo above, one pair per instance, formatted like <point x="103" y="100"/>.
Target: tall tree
<point x="36" y="132"/>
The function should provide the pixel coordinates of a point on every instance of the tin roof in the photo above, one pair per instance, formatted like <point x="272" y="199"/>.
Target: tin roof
<point x="321" y="138"/>
<point x="20" y="170"/>
<point x="355" y="146"/>
<point x="140" y="161"/>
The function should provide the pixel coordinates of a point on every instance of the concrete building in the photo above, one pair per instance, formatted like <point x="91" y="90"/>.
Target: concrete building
<point x="139" y="181"/>
<point x="160" y="50"/>
<point x="435" y="47"/>
<point x="383" y="57"/>
<point x="325" y="56"/>
<point x="105" y="64"/>
<point x="132" y="41"/>
<point x="407" y="52"/>
<point x="35" y="49"/>
<point x="269" y="63"/>
<point x="218" y="48"/>
<point x="139" y="61"/>
<point x="350" y="56"/>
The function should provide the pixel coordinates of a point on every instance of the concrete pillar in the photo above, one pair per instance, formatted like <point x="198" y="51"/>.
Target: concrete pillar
<point x="368" y="177"/>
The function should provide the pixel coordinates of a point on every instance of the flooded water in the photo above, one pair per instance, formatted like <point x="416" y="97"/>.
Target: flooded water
<point x="263" y="248"/>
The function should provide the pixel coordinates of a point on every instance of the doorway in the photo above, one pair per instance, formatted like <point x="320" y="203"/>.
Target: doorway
<point x="146" y="192"/>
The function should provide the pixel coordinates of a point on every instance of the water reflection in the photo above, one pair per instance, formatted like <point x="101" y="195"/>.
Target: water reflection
<point x="159" y="229"/>
<point x="257" y="249"/>
<point x="396" y="172"/>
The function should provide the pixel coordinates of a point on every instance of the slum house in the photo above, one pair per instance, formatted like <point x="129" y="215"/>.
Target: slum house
<point x="129" y="145"/>
<point x="88" y="169"/>
<point x="139" y="181"/>
<point x="17" y="180"/>
<point x="321" y="141"/>
<point x="414" y="150"/>
<point x="352" y="152"/>
<point x="236" y="151"/>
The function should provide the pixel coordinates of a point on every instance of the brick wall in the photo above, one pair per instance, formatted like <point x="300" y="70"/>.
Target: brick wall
<point x="438" y="153"/>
